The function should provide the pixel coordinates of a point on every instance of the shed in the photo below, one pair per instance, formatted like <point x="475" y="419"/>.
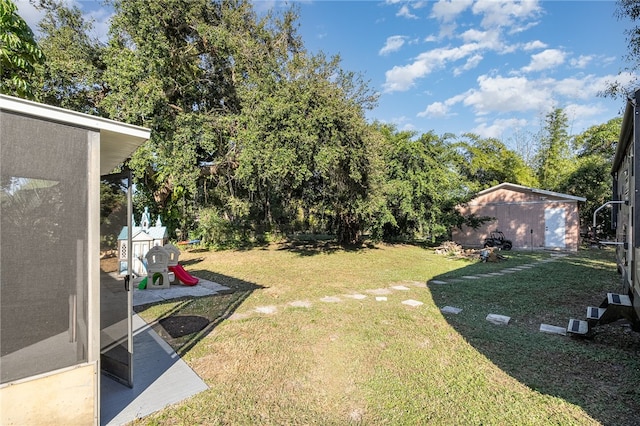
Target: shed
<point x="65" y="316"/>
<point x="531" y="218"/>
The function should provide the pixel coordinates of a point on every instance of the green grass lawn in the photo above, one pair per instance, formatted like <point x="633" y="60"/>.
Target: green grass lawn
<point x="362" y="361"/>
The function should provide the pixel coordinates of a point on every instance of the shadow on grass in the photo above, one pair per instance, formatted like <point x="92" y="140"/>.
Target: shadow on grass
<point x="601" y="375"/>
<point x="313" y="247"/>
<point x="184" y="322"/>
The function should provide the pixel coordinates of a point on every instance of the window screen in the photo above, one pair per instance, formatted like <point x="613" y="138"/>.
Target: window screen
<point x="43" y="246"/>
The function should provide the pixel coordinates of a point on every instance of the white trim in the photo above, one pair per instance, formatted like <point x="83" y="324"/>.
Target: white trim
<point x="10" y="103"/>
<point x="514" y="186"/>
<point x="519" y="203"/>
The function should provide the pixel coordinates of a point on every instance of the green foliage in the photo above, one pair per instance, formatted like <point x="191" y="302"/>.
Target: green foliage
<point x="254" y="136"/>
<point x="488" y="162"/>
<point x="72" y="77"/>
<point x="591" y="177"/>
<point x="599" y="140"/>
<point x="628" y="9"/>
<point x="592" y="180"/>
<point x="19" y="53"/>
<point x="422" y="186"/>
<point x="554" y="160"/>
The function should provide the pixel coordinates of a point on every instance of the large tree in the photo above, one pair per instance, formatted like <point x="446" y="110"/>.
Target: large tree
<point x="554" y="160"/>
<point x="628" y="9"/>
<point x="592" y="175"/>
<point x="422" y="185"/>
<point x="72" y="75"/>
<point x="178" y="67"/>
<point x="305" y="145"/>
<point x="488" y="162"/>
<point x="19" y="53"/>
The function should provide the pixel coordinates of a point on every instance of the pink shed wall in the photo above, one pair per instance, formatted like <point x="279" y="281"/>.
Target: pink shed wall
<point x="516" y="213"/>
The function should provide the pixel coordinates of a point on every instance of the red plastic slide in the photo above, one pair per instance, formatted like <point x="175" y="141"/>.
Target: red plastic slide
<point x="181" y="274"/>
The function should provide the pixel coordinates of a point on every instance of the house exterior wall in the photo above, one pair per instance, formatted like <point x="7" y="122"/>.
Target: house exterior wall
<point x="517" y="214"/>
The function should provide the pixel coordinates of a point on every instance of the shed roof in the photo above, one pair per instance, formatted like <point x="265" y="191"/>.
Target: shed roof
<point x="520" y="188"/>
<point x="154" y="232"/>
<point x="117" y="140"/>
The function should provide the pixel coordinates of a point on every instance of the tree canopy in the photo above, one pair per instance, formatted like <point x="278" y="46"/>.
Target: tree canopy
<point x="253" y="136"/>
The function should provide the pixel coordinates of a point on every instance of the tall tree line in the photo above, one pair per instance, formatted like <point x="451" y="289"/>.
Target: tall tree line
<point x="252" y="135"/>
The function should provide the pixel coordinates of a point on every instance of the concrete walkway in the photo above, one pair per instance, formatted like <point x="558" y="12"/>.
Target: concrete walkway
<point x="160" y="378"/>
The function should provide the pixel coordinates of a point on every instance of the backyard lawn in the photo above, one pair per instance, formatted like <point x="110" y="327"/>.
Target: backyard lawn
<point x="320" y="335"/>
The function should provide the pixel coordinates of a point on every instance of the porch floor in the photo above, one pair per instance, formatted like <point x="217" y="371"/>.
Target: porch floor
<point x="160" y="378"/>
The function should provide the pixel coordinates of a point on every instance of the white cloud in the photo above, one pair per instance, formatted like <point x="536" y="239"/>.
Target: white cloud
<point x="471" y="63"/>
<point x="405" y="12"/>
<point x="534" y="45"/>
<point x="499" y="127"/>
<point x="401" y="78"/>
<point x="546" y="59"/>
<point x="487" y="39"/>
<point x="582" y="61"/>
<point x="393" y="44"/>
<point x="435" y="110"/>
<point x="101" y="23"/>
<point x="30" y="14"/>
<point x="505" y="13"/>
<point x="100" y="18"/>
<point x="500" y="94"/>
<point x="448" y="10"/>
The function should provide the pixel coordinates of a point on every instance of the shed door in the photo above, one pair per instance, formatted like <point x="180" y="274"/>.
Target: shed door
<point x="116" y="298"/>
<point x="554" y="228"/>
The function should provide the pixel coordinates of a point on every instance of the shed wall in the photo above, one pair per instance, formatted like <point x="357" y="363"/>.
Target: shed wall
<point x="517" y="214"/>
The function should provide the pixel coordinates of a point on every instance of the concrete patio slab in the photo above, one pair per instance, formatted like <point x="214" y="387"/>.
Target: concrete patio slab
<point x="161" y="378"/>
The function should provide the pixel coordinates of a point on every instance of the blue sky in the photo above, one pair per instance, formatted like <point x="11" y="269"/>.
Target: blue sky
<point x="490" y="67"/>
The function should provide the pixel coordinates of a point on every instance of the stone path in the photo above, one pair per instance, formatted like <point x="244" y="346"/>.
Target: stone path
<point x="379" y="294"/>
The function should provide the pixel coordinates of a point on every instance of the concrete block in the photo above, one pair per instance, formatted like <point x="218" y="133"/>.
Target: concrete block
<point x="451" y="310"/>
<point x="498" y="319"/>
<point x="553" y="329"/>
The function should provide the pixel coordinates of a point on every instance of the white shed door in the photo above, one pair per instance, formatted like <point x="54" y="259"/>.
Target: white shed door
<point x="554" y="228"/>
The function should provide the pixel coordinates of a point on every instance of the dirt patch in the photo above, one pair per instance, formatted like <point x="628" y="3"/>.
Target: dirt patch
<point x="109" y="264"/>
<point x="183" y="325"/>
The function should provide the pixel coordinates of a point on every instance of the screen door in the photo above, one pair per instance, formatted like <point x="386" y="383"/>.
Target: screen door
<point x="116" y="296"/>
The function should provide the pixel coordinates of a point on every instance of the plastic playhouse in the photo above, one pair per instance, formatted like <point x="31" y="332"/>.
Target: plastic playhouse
<point x="163" y="269"/>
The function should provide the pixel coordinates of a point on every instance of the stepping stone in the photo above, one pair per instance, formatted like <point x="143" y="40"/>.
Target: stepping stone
<point x="437" y="282"/>
<point x="331" y="299"/>
<point x="498" y="319"/>
<point x="456" y="280"/>
<point x="266" y="309"/>
<point x="238" y="316"/>
<point x="508" y="271"/>
<point x="496" y="274"/>
<point x="400" y="287"/>
<point x="356" y="296"/>
<point x="300" y="304"/>
<point x="412" y="302"/>
<point x="471" y="277"/>
<point x="379" y="291"/>
<point x="485" y="275"/>
<point x="417" y="283"/>
<point x="381" y="298"/>
<point x="553" y="329"/>
<point x="451" y="310"/>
